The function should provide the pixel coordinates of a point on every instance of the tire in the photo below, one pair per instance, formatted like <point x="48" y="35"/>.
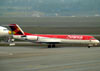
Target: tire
<point x="49" y="46"/>
<point x="89" y="46"/>
<point x="53" y="46"/>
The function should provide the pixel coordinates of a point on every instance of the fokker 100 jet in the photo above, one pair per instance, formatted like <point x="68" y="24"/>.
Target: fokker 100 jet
<point x="51" y="39"/>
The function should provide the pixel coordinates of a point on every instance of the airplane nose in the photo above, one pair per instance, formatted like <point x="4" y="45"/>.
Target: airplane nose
<point x="96" y="41"/>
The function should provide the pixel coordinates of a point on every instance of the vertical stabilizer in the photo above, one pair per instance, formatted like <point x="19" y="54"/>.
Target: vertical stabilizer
<point x="16" y="29"/>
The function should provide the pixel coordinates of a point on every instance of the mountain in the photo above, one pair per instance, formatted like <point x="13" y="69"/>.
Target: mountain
<point x="38" y="8"/>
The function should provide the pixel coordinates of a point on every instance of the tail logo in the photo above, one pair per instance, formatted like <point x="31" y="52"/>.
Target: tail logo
<point x="16" y="29"/>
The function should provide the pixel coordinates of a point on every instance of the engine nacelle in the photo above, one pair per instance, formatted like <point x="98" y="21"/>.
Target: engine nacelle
<point x="34" y="38"/>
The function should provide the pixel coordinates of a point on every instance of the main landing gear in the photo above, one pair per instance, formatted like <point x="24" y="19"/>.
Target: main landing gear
<point x="89" y="46"/>
<point x="51" y="46"/>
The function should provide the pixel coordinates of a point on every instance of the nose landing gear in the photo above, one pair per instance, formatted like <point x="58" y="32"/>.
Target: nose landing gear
<point x="90" y="45"/>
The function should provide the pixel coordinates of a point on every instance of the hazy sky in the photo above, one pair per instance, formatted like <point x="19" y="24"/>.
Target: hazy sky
<point x="49" y="8"/>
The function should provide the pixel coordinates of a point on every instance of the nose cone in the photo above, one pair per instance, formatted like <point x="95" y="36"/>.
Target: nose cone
<point x="96" y="41"/>
<point x="9" y="32"/>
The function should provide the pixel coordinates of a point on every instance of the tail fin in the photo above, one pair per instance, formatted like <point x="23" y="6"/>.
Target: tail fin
<point x="16" y="29"/>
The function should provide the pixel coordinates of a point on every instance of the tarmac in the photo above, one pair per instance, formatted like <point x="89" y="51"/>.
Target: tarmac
<point x="36" y="58"/>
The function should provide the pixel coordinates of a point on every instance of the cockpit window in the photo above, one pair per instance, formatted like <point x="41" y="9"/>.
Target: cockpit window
<point x="92" y="38"/>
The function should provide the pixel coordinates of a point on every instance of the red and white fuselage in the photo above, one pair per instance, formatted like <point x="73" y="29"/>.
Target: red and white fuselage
<point x="41" y="38"/>
<point x="52" y="39"/>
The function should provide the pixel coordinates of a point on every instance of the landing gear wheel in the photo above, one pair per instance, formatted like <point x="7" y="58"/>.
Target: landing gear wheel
<point x="49" y="46"/>
<point x="53" y="46"/>
<point x="89" y="46"/>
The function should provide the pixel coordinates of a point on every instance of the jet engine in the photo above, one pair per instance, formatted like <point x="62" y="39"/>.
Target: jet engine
<point x="34" y="38"/>
<point x="25" y="37"/>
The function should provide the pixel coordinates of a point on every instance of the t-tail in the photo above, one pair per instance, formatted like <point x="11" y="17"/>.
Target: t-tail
<point x="16" y="29"/>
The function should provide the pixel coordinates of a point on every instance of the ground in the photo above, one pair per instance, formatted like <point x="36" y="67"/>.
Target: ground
<point x="32" y="58"/>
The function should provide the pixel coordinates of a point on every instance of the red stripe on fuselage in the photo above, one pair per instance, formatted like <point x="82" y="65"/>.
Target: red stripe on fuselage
<point x="69" y="37"/>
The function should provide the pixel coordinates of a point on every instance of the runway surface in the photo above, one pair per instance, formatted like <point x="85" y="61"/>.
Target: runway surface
<point x="32" y="58"/>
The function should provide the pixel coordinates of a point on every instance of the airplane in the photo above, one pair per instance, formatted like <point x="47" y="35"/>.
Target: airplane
<point x="4" y="32"/>
<point x="50" y="39"/>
